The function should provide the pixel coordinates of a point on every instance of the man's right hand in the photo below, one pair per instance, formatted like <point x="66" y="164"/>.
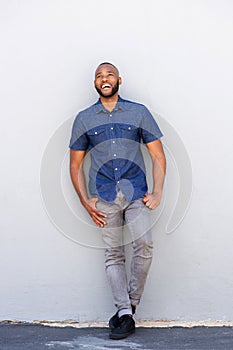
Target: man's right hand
<point x="78" y="180"/>
<point x="96" y="215"/>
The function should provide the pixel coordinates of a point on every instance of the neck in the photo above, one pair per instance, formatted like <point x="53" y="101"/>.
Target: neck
<point x="109" y="102"/>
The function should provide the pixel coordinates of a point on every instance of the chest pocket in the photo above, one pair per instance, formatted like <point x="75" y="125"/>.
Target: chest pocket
<point x="130" y="132"/>
<point x="96" y="136"/>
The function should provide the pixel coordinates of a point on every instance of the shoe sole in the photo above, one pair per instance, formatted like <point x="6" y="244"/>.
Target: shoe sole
<point x="120" y="336"/>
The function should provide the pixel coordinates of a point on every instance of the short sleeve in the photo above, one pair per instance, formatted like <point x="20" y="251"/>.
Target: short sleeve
<point x="150" y="130"/>
<point x="78" y="140"/>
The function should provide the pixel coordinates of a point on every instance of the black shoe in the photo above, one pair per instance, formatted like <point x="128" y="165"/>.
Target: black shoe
<point x="125" y="328"/>
<point x="114" y="321"/>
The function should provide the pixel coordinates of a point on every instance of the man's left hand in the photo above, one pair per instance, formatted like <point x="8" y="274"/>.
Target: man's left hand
<point x="152" y="200"/>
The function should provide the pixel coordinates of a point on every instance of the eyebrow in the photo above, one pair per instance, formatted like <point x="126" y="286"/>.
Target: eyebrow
<point x="108" y="71"/>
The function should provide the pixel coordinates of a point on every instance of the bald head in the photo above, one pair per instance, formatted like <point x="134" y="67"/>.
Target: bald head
<point x="105" y="65"/>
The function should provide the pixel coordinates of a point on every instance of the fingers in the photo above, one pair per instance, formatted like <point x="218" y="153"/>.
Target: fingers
<point x="151" y="206"/>
<point x="93" y="207"/>
<point x="96" y="215"/>
<point x="98" y="221"/>
<point x="146" y="198"/>
<point x="151" y="201"/>
<point x="100" y="214"/>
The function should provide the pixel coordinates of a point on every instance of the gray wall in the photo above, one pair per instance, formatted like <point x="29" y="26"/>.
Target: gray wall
<point x="175" y="57"/>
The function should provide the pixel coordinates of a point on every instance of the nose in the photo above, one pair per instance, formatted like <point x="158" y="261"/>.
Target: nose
<point x="104" y="77"/>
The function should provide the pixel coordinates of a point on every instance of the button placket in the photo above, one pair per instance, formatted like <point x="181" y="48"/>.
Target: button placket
<point x="113" y="142"/>
<point x="117" y="173"/>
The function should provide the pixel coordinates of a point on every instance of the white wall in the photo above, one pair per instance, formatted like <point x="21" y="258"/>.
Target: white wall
<point x="177" y="58"/>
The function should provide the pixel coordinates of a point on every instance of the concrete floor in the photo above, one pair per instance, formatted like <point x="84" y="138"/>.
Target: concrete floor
<point x="39" y="337"/>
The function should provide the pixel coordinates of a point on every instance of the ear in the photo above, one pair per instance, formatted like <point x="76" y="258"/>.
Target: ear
<point x="120" y="80"/>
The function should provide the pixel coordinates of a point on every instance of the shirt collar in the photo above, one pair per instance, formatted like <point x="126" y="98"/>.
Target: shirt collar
<point x="119" y="106"/>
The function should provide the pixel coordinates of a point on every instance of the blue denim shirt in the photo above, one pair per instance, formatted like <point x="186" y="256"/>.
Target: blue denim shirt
<point x="113" y="140"/>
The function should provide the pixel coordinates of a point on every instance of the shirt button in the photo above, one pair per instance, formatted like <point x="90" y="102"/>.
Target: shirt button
<point x="95" y="132"/>
<point x="118" y="182"/>
<point x="110" y="115"/>
<point x="114" y="155"/>
<point x="113" y="141"/>
<point x="111" y="128"/>
<point x="116" y="168"/>
<point x="129" y="128"/>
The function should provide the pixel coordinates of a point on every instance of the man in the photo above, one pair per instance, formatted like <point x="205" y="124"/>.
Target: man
<point x="111" y="130"/>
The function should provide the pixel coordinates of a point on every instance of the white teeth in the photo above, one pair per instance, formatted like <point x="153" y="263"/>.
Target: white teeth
<point x="104" y="86"/>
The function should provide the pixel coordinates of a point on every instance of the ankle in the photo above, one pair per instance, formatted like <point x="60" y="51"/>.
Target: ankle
<point x="133" y="308"/>
<point x="123" y="312"/>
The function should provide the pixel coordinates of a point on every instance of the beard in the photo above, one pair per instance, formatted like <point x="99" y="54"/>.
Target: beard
<point x="115" y="88"/>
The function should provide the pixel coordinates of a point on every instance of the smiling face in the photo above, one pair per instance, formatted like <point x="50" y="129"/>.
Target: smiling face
<point x="107" y="80"/>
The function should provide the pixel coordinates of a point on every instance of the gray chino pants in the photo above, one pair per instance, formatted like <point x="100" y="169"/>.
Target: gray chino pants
<point x="138" y="219"/>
